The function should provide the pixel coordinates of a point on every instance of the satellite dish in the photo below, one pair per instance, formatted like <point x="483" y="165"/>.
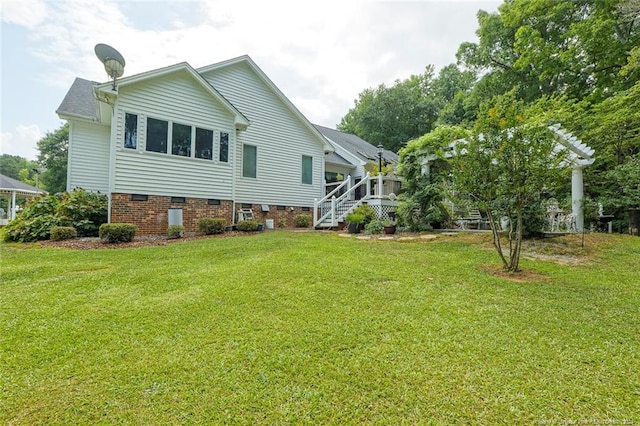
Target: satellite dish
<point x="112" y="59"/>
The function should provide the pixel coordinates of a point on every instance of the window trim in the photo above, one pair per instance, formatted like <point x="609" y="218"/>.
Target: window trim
<point x="255" y="168"/>
<point x="310" y="173"/>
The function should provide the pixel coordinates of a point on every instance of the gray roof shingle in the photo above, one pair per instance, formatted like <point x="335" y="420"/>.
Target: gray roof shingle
<point x="79" y="100"/>
<point x="8" y="184"/>
<point x="356" y="146"/>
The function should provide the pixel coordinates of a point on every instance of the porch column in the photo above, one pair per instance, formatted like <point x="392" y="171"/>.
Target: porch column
<point x="577" y="197"/>
<point x="380" y="191"/>
<point x="13" y="206"/>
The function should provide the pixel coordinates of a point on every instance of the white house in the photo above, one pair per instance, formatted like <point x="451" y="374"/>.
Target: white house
<point x="208" y="141"/>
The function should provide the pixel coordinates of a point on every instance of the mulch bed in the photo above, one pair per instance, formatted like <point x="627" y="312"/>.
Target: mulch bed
<point x="85" y="243"/>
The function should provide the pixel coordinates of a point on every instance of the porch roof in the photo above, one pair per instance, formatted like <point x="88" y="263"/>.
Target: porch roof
<point x="9" y="185"/>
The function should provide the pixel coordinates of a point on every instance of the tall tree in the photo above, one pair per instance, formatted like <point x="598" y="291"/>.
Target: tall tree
<point x="547" y="47"/>
<point x="13" y="166"/>
<point x="391" y="116"/>
<point x="54" y="148"/>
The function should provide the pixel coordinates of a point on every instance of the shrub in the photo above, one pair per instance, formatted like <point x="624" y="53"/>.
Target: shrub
<point x="374" y="227"/>
<point x="82" y="210"/>
<point x="59" y="233"/>
<point x="368" y="213"/>
<point x="247" y="225"/>
<point x="210" y="225"/>
<point x="117" y="232"/>
<point x="302" y="221"/>
<point x="175" y="231"/>
<point x="354" y="218"/>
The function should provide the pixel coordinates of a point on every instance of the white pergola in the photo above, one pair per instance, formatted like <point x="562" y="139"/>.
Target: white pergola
<point x="578" y="156"/>
<point x="11" y="188"/>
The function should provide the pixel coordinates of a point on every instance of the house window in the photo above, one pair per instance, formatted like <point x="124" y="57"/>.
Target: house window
<point x="157" y="135"/>
<point x="131" y="131"/>
<point x="307" y="169"/>
<point x="249" y="161"/>
<point x="306" y="209"/>
<point x="139" y="197"/>
<point x="281" y="207"/>
<point x="181" y="140"/>
<point x="224" y="147"/>
<point x="213" y="202"/>
<point x="247" y="206"/>
<point x="204" y="144"/>
<point x="178" y="200"/>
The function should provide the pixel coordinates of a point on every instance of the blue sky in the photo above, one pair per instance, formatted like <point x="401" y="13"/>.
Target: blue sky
<point x="321" y="54"/>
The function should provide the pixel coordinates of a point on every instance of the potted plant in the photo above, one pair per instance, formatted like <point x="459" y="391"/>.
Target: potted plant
<point x="389" y="226"/>
<point x="354" y="222"/>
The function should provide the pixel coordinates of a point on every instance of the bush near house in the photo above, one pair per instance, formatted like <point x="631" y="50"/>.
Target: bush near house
<point x="211" y="225"/>
<point x="247" y="225"/>
<point x="59" y="233"/>
<point x="302" y="221"/>
<point x="117" y="232"/>
<point x="85" y="211"/>
<point x="175" y="231"/>
<point x="368" y="213"/>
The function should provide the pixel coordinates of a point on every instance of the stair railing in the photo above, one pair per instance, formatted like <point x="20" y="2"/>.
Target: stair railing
<point x="336" y="208"/>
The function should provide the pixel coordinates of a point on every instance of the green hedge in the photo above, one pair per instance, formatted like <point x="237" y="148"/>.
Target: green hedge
<point x="247" y="225"/>
<point x="59" y="233"/>
<point x="211" y="225"/>
<point x="302" y="221"/>
<point x="117" y="232"/>
<point x="175" y="231"/>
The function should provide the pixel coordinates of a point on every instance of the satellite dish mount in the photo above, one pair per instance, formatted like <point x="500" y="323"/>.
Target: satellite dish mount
<point x="113" y="61"/>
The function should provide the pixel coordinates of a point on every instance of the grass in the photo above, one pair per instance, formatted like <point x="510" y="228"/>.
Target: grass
<point x="312" y="328"/>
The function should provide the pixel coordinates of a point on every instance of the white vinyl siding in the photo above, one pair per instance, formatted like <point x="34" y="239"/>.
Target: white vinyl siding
<point x="280" y="136"/>
<point x="88" y="157"/>
<point x="178" y="99"/>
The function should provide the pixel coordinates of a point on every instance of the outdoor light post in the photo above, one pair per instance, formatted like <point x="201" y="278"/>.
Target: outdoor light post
<point x="380" y="151"/>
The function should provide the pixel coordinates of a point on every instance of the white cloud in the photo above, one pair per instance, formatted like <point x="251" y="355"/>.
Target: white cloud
<point x="320" y="54"/>
<point x="27" y="13"/>
<point x="23" y="142"/>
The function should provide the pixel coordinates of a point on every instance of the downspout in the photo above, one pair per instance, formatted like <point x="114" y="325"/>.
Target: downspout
<point x="233" y="177"/>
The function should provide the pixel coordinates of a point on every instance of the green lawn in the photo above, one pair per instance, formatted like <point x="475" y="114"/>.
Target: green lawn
<point x="286" y="327"/>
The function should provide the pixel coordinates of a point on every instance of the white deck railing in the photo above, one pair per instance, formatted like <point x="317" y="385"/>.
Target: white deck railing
<point x="333" y="207"/>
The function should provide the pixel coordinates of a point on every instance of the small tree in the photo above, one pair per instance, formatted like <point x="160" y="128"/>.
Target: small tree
<point x="511" y="158"/>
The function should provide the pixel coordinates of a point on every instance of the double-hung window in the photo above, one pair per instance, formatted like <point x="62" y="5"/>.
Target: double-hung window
<point x="157" y="135"/>
<point x="130" y="131"/>
<point x="204" y="143"/>
<point x="307" y="170"/>
<point x="181" y="140"/>
<point x="249" y="161"/>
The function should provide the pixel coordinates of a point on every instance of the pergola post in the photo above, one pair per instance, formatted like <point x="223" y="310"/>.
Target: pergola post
<point x="577" y="197"/>
<point x="13" y="205"/>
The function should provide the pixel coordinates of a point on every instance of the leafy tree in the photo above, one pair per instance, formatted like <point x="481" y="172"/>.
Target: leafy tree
<point x="53" y="157"/>
<point x="505" y="165"/>
<point x="391" y="116"/>
<point x="13" y="166"/>
<point x="420" y="204"/>
<point x="449" y="91"/>
<point x="548" y="47"/>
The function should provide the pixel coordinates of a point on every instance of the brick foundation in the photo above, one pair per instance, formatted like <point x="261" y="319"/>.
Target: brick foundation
<point x="151" y="216"/>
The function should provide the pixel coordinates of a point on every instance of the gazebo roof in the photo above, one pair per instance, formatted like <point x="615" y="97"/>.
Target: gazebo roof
<point x="9" y="185"/>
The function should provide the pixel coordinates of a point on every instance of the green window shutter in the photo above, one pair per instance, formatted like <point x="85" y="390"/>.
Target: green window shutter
<point x="307" y="170"/>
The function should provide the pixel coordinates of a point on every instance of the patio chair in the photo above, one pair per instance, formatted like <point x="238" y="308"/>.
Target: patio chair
<point x="245" y="214"/>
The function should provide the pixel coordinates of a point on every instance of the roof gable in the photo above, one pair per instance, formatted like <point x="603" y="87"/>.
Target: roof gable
<point x="241" y="121"/>
<point x="274" y="89"/>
